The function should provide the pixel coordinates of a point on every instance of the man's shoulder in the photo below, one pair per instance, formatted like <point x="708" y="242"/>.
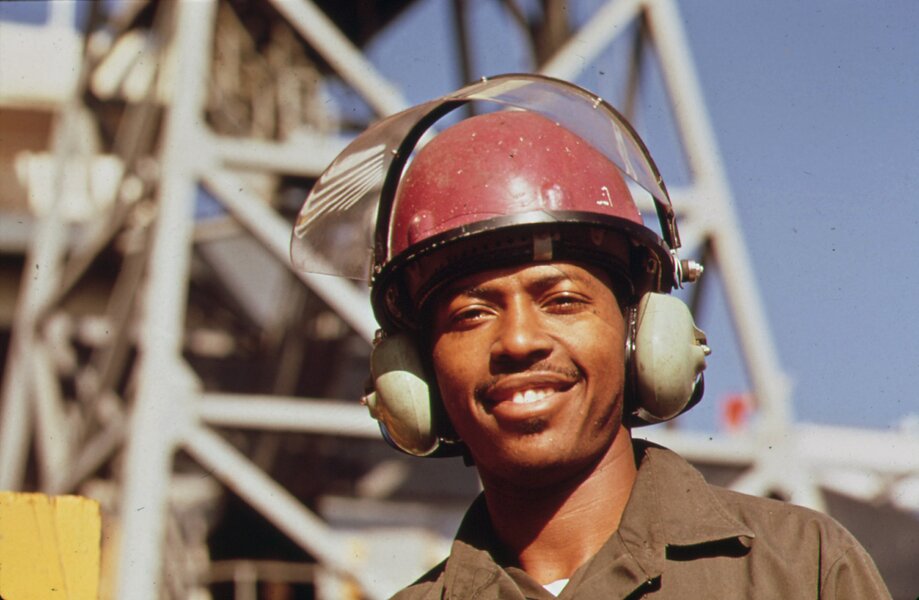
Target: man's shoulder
<point x="778" y="528"/>
<point x="427" y="587"/>
<point x="781" y="522"/>
<point x="794" y="535"/>
<point x="794" y="547"/>
<point x="771" y="521"/>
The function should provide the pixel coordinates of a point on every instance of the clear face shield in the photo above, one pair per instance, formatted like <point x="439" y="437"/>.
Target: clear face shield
<point x="343" y="226"/>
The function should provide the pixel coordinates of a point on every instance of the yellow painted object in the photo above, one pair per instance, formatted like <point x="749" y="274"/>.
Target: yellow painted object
<point x="49" y="547"/>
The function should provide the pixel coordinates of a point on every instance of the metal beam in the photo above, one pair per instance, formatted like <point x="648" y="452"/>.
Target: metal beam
<point x="592" y="39"/>
<point x="305" y="154"/>
<point x="326" y="417"/>
<point x="347" y="60"/>
<point x="164" y="386"/>
<point x="276" y="504"/>
<point x="351" y="303"/>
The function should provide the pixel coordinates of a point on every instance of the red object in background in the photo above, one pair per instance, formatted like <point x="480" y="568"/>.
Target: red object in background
<point x="735" y="411"/>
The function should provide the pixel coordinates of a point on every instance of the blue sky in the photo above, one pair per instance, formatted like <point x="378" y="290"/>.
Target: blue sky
<point x="816" y="109"/>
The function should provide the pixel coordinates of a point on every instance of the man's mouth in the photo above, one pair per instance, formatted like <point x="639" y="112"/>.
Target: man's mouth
<point x="526" y="388"/>
<point x="530" y="396"/>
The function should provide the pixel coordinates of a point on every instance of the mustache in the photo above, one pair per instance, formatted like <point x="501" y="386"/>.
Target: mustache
<point x="483" y="389"/>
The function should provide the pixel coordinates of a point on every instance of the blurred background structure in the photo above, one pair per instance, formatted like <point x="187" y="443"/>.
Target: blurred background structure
<point x="160" y="356"/>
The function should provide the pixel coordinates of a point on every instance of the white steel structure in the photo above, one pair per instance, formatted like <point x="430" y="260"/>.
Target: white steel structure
<point x="91" y="424"/>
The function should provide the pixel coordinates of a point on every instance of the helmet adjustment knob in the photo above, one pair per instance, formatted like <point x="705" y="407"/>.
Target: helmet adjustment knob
<point x="691" y="270"/>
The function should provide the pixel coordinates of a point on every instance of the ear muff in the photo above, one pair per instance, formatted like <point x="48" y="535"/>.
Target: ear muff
<point x="665" y="359"/>
<point x="401" y="400"/>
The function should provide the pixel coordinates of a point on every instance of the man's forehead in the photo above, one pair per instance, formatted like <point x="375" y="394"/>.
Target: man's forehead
<point x="536" y="276"/>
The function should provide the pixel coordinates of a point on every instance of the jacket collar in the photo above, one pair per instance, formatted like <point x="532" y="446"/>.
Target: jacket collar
<point x="686" y="511"/>
<point x="472" y="566"/>
<point x="671" y="505"/>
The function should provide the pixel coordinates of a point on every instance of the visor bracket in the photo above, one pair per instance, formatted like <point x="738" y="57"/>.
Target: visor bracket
<point x="691" y="270"/>
<point x="542" y="246"/>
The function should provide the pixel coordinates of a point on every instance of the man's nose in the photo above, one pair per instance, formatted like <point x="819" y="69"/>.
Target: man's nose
<point x="521" y="335"/>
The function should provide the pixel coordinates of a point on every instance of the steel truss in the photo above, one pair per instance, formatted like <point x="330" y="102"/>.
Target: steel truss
<point x="139" y="427"/>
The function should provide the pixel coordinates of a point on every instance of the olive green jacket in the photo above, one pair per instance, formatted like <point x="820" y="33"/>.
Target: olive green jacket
<point x="679" y="538"/>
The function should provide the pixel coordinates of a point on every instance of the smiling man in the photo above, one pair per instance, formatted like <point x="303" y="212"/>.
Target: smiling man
<point x="526" y="325"/>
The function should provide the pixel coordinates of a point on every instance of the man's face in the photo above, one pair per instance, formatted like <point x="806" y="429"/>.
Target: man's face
<point x="530" y="364"/>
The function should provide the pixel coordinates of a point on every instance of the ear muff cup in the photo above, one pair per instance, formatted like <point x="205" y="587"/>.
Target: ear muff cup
<point x="665" y="359"/>
<point x="401" y="400"/>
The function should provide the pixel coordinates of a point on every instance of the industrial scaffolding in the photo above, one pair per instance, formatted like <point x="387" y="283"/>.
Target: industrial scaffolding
<point x="177" y="155"/>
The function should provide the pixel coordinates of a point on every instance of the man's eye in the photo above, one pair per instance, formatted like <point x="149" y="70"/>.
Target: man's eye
<point x="469" y="315"/>
<point x="564" y="302"/>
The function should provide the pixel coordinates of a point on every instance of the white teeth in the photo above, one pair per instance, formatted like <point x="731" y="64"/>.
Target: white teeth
<point x="528" y="396"/>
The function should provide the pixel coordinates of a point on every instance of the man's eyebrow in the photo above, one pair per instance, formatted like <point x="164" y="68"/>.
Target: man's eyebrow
<point x="475" y="291"/>
<point x="539" y="283"/>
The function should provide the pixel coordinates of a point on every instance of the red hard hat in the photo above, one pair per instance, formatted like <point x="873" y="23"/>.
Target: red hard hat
<point x="539" y="178"/>
<point x="502" y="164"/>
<point x="504" y="188"/>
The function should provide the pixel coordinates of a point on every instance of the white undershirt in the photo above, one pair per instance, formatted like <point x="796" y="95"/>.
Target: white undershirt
<point x="555" y="588"/>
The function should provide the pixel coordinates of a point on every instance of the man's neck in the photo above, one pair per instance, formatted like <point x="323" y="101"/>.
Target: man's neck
<point x="552" y="531"/>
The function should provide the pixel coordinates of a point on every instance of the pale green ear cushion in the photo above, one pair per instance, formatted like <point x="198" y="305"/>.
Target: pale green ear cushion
<point x="401" y="401"/>
<point x="669" y="355"/>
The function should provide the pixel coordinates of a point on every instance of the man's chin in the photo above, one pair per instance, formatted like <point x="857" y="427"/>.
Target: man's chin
<point x="540" y="458"/>
<point x="537" y="465"/>
<point x="533" y="427"/>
